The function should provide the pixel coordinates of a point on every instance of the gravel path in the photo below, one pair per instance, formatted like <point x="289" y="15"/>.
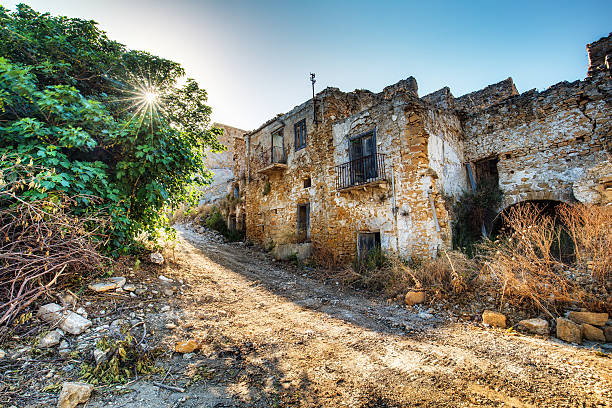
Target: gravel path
<point x="272" y="337"/>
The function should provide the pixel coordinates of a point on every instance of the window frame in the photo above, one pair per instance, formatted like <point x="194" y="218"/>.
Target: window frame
<point x="299" y="143"/>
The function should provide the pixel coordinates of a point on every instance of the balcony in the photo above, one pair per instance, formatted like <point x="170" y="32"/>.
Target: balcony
<point x="367" y="171"/>
<point x="274" y="160"/>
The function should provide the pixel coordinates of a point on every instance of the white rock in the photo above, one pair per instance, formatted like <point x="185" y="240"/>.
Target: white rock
<point x="108" y="284"/>
<point x="68" y="320"/>
<point x="165" y="308"/>
<point x="82" y="312"/>
<point x="164" y="279"/>
<point x="129" y="287"/>
<point x="156" y="258"/>
<point x="51" y="339"/>
<point x="74" y="393"/>
<point x="99" y="355"/>
<point x="2" y="354"/>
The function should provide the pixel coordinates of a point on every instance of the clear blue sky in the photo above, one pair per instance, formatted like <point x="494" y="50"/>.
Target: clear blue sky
<point x="254" y="57"/>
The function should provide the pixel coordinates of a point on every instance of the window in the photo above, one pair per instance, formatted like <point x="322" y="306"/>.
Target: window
<point x="300" y="134"/>
<point x="362" y="154"/>
<point x="303" y="221"/>
<point x="307" y="182"/>
<point x="278" y="147"/>
<point x="366" y="243"/>
<point x="486" y="171"/>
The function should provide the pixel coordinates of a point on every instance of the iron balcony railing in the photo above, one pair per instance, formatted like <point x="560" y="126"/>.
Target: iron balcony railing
<point x="361" y="171"/>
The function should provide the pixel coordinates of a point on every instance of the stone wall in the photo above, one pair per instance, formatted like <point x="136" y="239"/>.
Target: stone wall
<point x="222" y="164"/>
<point x="224" y="159"/>
<point x="600" y="56"/>
<point x="400" y="207"/>
<point x="486" y="97"/>
<point x="547" y="145"/>
<point x="544" y="140"/>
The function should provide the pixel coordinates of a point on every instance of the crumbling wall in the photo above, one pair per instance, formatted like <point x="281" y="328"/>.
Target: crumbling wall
<point x="441" y="99"/>
<point x="541" y="142"/>
<point x="544" y="140"/>
<point x="337" y="217"/>
<point x="224" y="159"/>
<point x="600" y="56"/>
<point x="486" y="97"/>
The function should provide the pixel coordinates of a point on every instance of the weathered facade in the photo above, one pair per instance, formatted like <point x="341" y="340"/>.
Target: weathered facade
<point x="351" y="170"/>
<point x="221" y="164"/>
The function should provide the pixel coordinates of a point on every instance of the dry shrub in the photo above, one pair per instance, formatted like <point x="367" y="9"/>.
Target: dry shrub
<point x="451" y="271"/>
<point x="524" y="266"/>
<point x="41" y="247"/>
<point x="324" y="257"/>
<point x="590" y="228"/>
<point x="391" y="276"/>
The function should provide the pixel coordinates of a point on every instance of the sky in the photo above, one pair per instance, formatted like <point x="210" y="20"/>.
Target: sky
<point x="254" y="57"/>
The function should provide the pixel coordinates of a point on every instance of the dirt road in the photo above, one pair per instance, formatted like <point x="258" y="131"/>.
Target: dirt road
<point x="273" y="338"/>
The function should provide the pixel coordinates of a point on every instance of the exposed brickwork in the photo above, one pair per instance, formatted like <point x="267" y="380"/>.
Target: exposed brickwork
<point x="543" y="141"/>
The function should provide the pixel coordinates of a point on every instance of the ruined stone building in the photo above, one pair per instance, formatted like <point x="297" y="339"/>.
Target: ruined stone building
<point x="221" y="165"/>
<point x="344" y="172"/>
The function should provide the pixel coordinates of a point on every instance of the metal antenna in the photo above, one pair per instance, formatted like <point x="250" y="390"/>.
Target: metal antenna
<point x="314" y="101"/>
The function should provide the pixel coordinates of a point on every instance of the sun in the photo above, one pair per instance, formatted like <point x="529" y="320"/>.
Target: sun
<point x="150" y="97"/>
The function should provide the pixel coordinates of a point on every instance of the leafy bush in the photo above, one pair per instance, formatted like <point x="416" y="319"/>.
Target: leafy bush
<point x="96" y="120"/>
<point x="216" y="221"/>
<point x="471" y="211"/>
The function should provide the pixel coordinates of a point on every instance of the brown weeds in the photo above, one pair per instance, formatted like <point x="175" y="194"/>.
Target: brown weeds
<point x="527" y="264"/>
<point x="41" y="245"/>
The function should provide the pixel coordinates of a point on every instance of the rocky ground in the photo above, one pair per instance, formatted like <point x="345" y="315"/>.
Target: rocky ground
<point x="270" y="335"/>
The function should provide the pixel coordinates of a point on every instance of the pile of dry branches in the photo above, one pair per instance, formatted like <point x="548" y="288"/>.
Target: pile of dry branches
<point x="526" y="267"/>
<point x="41" y="245"/>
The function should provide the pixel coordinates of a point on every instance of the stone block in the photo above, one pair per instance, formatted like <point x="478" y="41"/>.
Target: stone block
<point x="414" y="297"/>
<point x="569" y="331"/>
<point x="608" y="333"/>
<point x="593" y="333"/>
<point x="51" y="339"/>
<point x="535" y="326"/>
<point x="286" y="251"/>
<point x="68" y="320"/>
<point x="494" y="319"/>
<point x="594" y="319"/>
<point x="186" y="346"/>
<point x="108" y="284"/>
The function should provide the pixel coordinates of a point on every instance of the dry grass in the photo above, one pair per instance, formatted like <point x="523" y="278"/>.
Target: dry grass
<point x="590" y="228"/>
<point x="392" y="276"/>
<point x="526" y="265"/>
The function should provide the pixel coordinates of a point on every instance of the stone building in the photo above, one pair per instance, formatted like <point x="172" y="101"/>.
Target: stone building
<point x="345" y="172"/>
<point x="221" y="164"/>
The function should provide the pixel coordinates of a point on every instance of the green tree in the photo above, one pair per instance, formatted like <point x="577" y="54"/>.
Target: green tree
<point x="109" y="126"/>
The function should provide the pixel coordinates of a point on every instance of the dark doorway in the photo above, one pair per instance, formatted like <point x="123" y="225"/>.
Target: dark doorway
<point x="367" y="243"/>
<point x="486" y="171"/>
<point x="303" y="221"/>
